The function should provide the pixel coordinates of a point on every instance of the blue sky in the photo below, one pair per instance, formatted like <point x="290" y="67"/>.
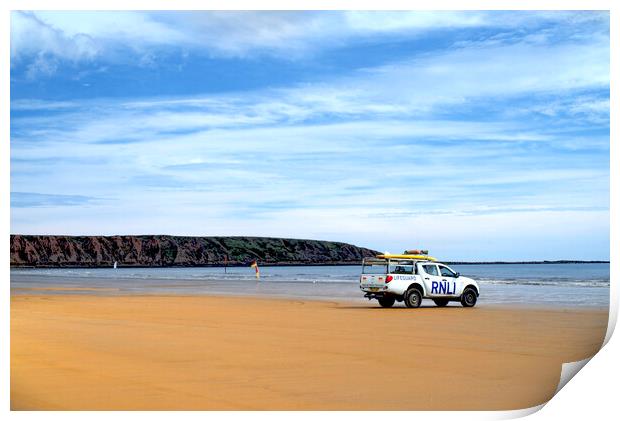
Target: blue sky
<point x="477" y="135"/>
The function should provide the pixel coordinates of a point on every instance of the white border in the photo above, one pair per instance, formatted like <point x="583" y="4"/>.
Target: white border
<point x="590" y="394"/>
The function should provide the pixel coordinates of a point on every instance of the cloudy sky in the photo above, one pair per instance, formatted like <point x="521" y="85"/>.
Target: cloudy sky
<point x="478" y="135"/>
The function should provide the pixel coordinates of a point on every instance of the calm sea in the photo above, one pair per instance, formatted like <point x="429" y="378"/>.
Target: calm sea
<point x="583" y="285"/>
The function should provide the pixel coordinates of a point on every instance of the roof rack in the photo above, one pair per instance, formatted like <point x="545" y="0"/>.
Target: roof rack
<point x="386" y="260"/>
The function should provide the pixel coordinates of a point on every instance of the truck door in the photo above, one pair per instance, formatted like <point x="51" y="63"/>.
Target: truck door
<point x="450" y="284"/>
<point x="431" y="278"/>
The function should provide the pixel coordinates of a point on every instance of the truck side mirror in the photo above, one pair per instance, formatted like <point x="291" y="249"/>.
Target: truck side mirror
<point x="458" y="274"/>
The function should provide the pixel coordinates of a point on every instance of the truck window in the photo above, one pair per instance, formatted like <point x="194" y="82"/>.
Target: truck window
<point x="404" y="269"/>
<point x="447" y="272"/>
<point x="431" y="269"/>
<point x="374" y="269"/>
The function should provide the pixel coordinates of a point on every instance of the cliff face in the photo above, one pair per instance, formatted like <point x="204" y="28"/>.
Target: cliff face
<point x="163" y="250"/>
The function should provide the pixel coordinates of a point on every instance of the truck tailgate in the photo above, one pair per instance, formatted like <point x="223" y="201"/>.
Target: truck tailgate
<point x="372" y="282"/>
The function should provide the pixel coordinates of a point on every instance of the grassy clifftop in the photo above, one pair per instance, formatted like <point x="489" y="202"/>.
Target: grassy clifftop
<point x="164" y="250"/>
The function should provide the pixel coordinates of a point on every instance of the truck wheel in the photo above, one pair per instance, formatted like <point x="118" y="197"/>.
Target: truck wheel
<point x="440" y="302"/>
<point x="469" y="298"/>
<point x="387" y="302"/>
<point x="413" y="298"/>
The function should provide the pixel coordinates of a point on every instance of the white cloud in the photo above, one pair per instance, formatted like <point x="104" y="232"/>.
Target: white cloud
<point x="224" y="33"/>
<point x="259" y="162"/>
<point x="594" y="108"/>
<point x="494" y="71"/>
<point x="412" y="89"/>
<point x="114" y="26"/>
<point x="380" y="21"/>
<point x="31" y="37"/>
<point x="332" y="177"/>
<point x="286" y="34"/>
<point x="37" y="104"/>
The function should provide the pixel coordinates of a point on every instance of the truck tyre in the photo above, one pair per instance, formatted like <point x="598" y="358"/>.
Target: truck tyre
<point x="440" y="302"/>
<point x="469" y="298"/>
<point x="386" y="302"/>
<point x="413" y="298"/>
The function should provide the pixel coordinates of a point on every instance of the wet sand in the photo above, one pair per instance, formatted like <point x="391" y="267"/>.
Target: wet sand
<point x="93" y="352"/>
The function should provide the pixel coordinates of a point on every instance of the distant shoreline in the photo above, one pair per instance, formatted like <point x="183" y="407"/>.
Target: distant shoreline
<point x="534" y="262"/>
<point x="141" y="251"/>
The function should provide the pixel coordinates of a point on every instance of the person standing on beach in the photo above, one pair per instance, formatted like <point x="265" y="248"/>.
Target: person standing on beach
<point x="255" y="266"/>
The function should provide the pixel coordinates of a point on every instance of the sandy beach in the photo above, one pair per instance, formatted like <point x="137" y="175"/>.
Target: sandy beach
<point x="97" y="352"/>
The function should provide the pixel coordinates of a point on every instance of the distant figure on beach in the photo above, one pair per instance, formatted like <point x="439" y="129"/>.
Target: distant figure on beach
<point x="255" y="266"/>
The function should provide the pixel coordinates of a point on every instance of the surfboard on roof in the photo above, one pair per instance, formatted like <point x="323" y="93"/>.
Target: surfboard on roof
<point x="407" y="257"/>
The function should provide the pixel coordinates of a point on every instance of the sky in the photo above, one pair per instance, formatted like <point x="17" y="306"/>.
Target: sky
<point x="476" y="135"/>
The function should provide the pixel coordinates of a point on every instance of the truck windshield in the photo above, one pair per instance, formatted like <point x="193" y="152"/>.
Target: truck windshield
<point x="374" y="268"/>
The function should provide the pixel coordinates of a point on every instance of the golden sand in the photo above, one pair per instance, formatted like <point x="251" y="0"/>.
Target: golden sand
<point x="199" y="352"/>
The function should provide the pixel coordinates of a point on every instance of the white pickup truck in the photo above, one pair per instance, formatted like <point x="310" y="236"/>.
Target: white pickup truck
<point x="411" y="280"/>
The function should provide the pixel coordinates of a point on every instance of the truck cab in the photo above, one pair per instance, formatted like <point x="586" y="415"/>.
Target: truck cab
<point x="411" y="280"/>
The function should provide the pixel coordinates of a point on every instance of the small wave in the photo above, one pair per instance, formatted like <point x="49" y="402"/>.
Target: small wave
<point x="596" y="283"/>
<point x="312" y="275"/>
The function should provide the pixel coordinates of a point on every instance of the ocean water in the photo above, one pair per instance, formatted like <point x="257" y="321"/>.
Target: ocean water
<point x="566" y="285"/>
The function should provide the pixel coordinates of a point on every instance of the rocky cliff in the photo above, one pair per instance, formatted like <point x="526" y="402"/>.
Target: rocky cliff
<point x="164" y="250"/>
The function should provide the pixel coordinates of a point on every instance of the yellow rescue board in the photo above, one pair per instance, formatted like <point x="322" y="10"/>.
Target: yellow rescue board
<point x="407" y="256"/>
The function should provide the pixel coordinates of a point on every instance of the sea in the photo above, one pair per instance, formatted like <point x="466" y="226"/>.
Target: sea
<point x="564" y="285"/>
